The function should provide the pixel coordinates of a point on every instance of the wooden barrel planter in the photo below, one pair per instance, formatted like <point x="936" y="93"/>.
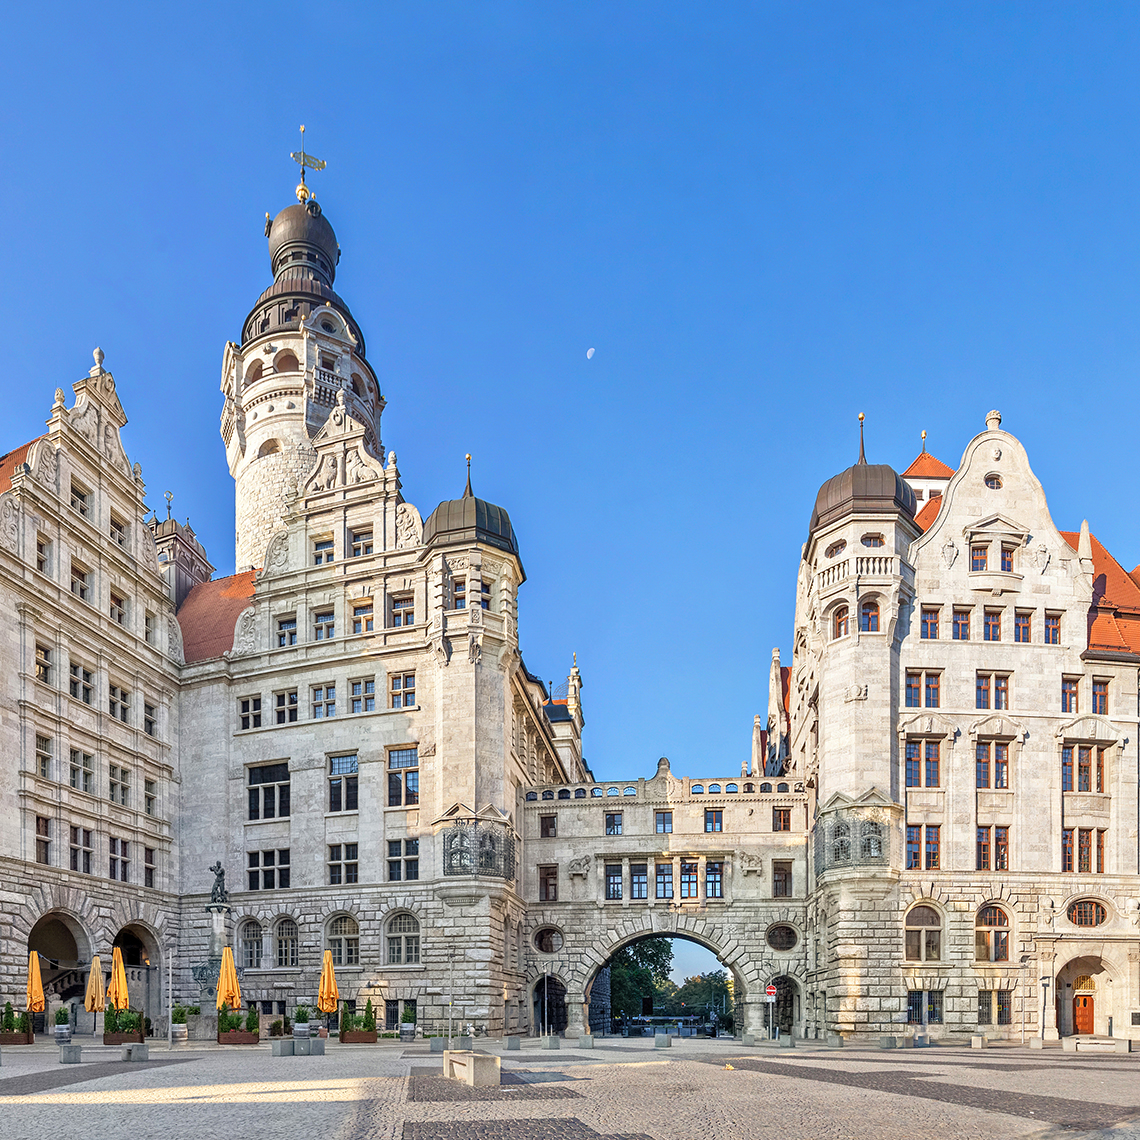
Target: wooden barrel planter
<point x="17" y="1038"/>
<point x="131" y="1037"/>
<point x="358" y="1036"/>
<point x="237" y="1037"/>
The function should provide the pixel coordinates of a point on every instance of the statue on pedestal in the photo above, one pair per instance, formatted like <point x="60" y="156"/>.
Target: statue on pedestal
<point x="219" y="894"/>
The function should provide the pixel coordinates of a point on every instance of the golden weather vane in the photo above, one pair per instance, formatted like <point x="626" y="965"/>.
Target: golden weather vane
<point x="305" y="160"/>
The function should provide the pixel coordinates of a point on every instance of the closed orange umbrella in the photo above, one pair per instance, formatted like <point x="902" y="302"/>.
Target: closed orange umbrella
<point x="35" y="984"/>
<point x="93" y="1000"/>
<point x="229" y="992"/>
<point x="327" y="995"/>
<point x="117" y="991"/>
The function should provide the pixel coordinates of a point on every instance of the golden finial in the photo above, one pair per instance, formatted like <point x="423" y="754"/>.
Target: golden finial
<point x="924" y="441"/>
<point x="305" y="160"/>
<point x="467" y="494"/>
<point x="862" y="457"/>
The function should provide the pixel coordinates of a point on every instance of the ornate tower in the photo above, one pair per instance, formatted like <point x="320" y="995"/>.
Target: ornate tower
<point x="300" y="347"/>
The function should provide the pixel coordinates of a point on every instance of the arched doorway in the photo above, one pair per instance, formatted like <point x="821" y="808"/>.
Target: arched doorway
<point x="549" y="1005"/>
<point x="1084" y="997"/>
<point x="141" y="960"/>
<point x="64" y="949"/>
<point x="784" y="1012"/>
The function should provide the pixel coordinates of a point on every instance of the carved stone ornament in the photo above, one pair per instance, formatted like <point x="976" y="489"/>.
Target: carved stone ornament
<point x="949" y="553"/>
<point x="580" y="866"/>
<point x="174" y="640"/>
<point x="277" y="555"/>
<point x="1041" y="556"/>
<point x="149" y="554"/>
<point x="245" y="633"/>
<point x="751" y="863"/>
<point x="474" y="648"/>
<point x="855" y="693"/>
<point x="409" y="528"/>
<point x="9" y="523"/>
<point x="442" y="649"/>
<point x="45" y="464"/>
<point x="459" y="562"/>
<point x="427" y="750"/>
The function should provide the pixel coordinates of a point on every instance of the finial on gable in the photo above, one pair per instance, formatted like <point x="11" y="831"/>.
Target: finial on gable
<point x="862" y="455"/>
<point x="924" y="441"/>
<point x="467" y="493"/>
<point x="993" y="420"/>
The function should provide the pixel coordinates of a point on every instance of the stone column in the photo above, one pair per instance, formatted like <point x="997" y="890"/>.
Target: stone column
<point x="577" y="1014"/>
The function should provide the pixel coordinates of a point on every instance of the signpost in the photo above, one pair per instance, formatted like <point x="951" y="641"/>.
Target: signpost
<point x="770" y="998"/>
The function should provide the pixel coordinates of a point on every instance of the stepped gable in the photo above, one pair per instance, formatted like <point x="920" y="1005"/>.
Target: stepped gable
<point x="1114" y="616"/>
<point x="208" y="615"/>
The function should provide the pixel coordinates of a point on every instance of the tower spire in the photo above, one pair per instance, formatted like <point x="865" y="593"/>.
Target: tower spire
<point x="467" y="494"/>
<point x="305" y="160"/>
<point x="862" y="456"/>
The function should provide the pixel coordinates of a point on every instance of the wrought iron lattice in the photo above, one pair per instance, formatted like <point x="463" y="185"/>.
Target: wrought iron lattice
<point x="853" y="841"/>
<point x="476" y="847"/>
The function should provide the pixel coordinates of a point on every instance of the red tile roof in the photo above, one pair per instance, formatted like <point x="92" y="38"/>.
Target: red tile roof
<point x="9" y="463"/>
<point x="1114" y="616"/>
<point x="929" y="513"/>
<point x="927" y="467"/>
<point x="208" y="615"/>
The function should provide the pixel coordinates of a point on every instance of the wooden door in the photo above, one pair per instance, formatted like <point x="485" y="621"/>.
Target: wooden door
<point x="1083" y="1014"/>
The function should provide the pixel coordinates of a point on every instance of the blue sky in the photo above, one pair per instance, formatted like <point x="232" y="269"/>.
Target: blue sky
<point x="765" y="218"/>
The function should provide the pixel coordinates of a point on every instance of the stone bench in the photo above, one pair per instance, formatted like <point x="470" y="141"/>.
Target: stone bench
<point x="478" y="1070"/>
<point x="1082" y="1043"/>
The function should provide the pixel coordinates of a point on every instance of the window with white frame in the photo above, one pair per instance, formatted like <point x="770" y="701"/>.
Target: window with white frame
<point x="344" y="941"/>
<point x="150" y="797"/>
<point x="82" y="771"/>
<point x="269" y="789"/>
<point x="362" y="619"/>
<point x="80" y="499"/>
<point x="43" y="663"/>
<point x="286" y="632"/>
<point x="43" y="554"/>
<point x="343" y="864"/>
<point x="268" y="870"/>
<point x="251" y="938"/>
<point x="119" y="785"/>
<point x="150" y="719"/>
<point x="43" y="756"/>
<point x="286" y="943"/>
<point x="43" y="840"/>
<point x="249" y="712"/>
<point x="148" y="866"/>
<point x="82" y="849"/>
<point x="361" y="543"/>
<point x="324" y="626"/>
<point x="285" y="706"/>
<point x="148" y="628"/>
<point x="322" y="551"/>
<point x="119" y="703"/>
<point x="80" y="581"/>
<point x="403" y="688"/>
<point x="324" y="701"/>
<point x="343" y="783"/>
<point x="119" y="862"/>
<point x="403" y="940"/>
<point x="403" y="777"/>
<point x="409" y="867"/>
<point x="81" y="683"/>
<point x="363" y="696"/>
<point x="118" y="530"/>
<point x="404" y="610"/>
<point x="118" y="610"/>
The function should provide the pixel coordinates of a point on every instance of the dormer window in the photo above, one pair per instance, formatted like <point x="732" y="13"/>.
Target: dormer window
<point x="836" y="548"/>
<point x="873" y="540"/>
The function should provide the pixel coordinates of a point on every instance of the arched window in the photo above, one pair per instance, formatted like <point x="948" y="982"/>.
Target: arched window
<point x="630" y="792"/>
<point x="1086" y="912"/>
<point x="612" y="792"/>
<point x="836" y="548"/>
<point x="749" y="788"/>
<point x="287" y="943"/>
<point x="344" y="941"/>
<point x="731" y="788"/>
<point x="841" y="842"/>
<point x="357" y="385"/>
<point x="403" y="941"/>
<point x="869" y="617"/>
<point x="873" y="540"/>
<point x="269" y="447"/>
<point x="579" y="793"/>
<point x="531" y="797"/>
<point x="253" y="372"/>
<point x="548" y="795"/>
<point x="923" y="935"/>
<point x="251" y="944"/>
<point x="763" y="788"/>
<point x="595" y="791"/>
<point x="871" y="842"/>
<point x="563" y="793"/>
<point x="697" y="789"/>
<point x="839" y="623"/>
<point x="781" y="787"/>
<point x="991" y="935"/>
<point x="714" y="789"/>
<point x="286" y="362"/>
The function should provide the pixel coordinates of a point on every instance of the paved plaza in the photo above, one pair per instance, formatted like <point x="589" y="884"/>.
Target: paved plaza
<point x="621" y="1090"/>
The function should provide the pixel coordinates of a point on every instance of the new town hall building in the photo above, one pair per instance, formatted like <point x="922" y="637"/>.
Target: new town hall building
<point x="940" y="811"/>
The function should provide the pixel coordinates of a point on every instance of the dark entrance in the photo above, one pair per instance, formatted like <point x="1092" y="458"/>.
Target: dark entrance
<point x="781" y="1014"/>
<point x="549" y="1006"/>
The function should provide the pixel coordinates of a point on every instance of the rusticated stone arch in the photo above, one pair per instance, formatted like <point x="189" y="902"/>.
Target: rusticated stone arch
<point x="45" y="898"/>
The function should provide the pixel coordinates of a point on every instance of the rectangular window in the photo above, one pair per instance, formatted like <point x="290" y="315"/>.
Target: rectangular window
<point x="781" y="880"/>
<point x="1084" y="769"/>
<point x="395" y="867"/>
<point x="548" y="884"/>
<point x="485" y="595"/>
<point x="459" y="594"/>
<point x="613" y="881"/>
<point x="119" y="785"/>
<point x="1100" y="698"/>
<point x="547" y="826"/>
<point x="982" y="691"/>
<point x="781" y="819"/>
<point x="403" y="690"/>
<point x="985" y="1007"/>
<point x="403" y="777"/>
<point x="286" y="706"/>
<point x="82" y="849"/>
<point x="80" y="584"/>
<point x="913" y="764"/>
<point x="343" y="783"/>
<point x="361" y="543"/>
<point x="118" y="531"/>
<point x="1100" y="851"/>
<point x="714" y="820"/>
<point x="914" y="1006"/>
<point x="1023" y="627"/>
<point x="118" y="703"/>
<point x="80" y="499"/>
<point x="343" y="865"/>
<point x="914" y="690"/>
<point x="150" y="797"/>
<point x="664" y="880"/>
<point x="933" y="685"/>
<point x="1004" y="1007"/>
<point x="249" y="712"/>
<point x="933" y="846"/>
<point x="934" y="1007"/>
<point x="913" y="847"/>
<point x="933" y="757"/>
<point x="982" y="765"/>
<point x="267" y="871"/>
<point x="982" y="852"/>
<point x="714" y="880"/>
<point x="1007" y="559"/>
<point x="689" y="881"/>
<point x="82" y="771"/>
<point x="1066" y="848"/>
<point x="148" y="866"/>
<point x="1001" y="691"/>
<point x="1084" y="850"/>
<point x="961" y="625"/>
<point x="1069" y="701"/>
<point x="403" y="611"/>
<point x="324" y="626"/>
<point x="150" y="719"/>
<point x="930" y="623"/>
<point x="269" y="791"/>
<point x="639" y="881"/>
<point x="43" y="664"/>
<point x="412" y="860"/>
<point x="978" y="557"/>
<point x="118" y="611"/>
<point x="1052" y="629"/>
<point x="324" y="701"/>
<point x="613" y="823"/>
<point x="43" y="555"/>
<point x="1066" y="769"/>
<point x="148" y="628"/>
<point x="119" y="861"/>
<point x="664" y="822"/>
<point x="1100" y="769"/>
<point x="43" y="840"/>
<point x="991" y="628"/>
<point x="286" y="632"/>
<point x="363" y="696"/>
<point x="362" y="621"/>
<point x="43" y="756"/>
<point x="1001" y="848"/>
<point x="322" y="551"/>
<point x="1001" y="766"/>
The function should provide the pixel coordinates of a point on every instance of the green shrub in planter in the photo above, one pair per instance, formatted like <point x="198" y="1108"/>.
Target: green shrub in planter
<point x="9" y="1022"/>
<point x="347" y="1019"/>
<point x="302" y="1014"/>
<point x="25" y="1023"/>
<point x="62" y="1016"/>
<point x="251" y="1020"/>
<point x="369" y="1016"/>
<point x="196" y="1010"/>
<point x="408" y="1017"/>
<point x="110" y="1020"/>
<point x="276" y="1028"/>
<point x="178" y="1015"/>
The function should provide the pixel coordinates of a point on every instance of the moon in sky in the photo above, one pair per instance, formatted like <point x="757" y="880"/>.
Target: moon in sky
<point x="589" y="354"/>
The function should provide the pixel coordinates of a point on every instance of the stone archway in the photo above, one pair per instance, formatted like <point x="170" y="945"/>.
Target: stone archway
<point x="141" y="952"/>
<point x="64" y="949"/>
<point x="1085" y="997"/>
<point x="548" y="1001"/>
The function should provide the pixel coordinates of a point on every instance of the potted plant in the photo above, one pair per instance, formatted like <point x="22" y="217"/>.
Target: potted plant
<point x="179" y="1030"/>
<point x="408" y="1023"/>
<point x="358" y="1030"/>
<point x="230" y="1031"/>
<point x="15" y="1030"/>
<point x="122" y="1027"/>
<point x="301" y="1022"/>
<point x="62" y="1025"/>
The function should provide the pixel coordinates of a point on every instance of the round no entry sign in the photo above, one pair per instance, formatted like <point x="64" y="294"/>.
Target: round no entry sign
<point x="771" y="991"/>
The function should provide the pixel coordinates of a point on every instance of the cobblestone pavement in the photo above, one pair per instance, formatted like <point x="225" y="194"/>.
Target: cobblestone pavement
<point x="626" y="1091"/>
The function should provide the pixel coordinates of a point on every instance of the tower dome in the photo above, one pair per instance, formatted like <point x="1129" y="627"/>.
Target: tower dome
<point x="469" y="519"/>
